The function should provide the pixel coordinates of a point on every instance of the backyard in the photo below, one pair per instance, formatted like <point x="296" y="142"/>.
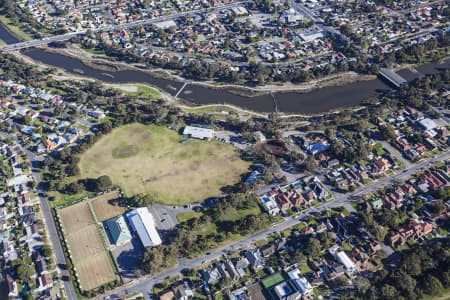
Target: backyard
<point x="152" y="160"/>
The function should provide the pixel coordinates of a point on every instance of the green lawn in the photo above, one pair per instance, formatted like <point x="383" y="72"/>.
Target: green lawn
<point x="378" y="149"/>
<point x="186" y="216"/>
<point x="94" y="51"/>
<point x="15" y="30"/>
<point x="304" y="268"/>
<point x="62" y="199"/>
<point x="272" y="280"/>
<point x="159" y="165"/>
<point x="207" y="109"/>
<point x="148" y="91"/>
<point x="140" y="90"/>
<point x="236" y="214"/>
<point x="347" y="247"/>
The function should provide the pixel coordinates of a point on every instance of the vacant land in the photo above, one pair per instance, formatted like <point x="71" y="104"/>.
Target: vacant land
<point x="151" y="160"/>
<point x="90" y="258"/>
<point x="103" y="207"/>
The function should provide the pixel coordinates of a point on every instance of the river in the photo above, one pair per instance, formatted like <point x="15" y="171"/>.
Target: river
<point x="314" y="102"/>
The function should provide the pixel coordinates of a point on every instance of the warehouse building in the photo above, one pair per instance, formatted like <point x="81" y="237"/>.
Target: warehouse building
<point x="202" y="132"/>
<point x="143" y="224"/>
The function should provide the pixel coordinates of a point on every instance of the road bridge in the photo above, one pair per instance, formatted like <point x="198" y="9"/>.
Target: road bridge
<point x="392" y="77"/>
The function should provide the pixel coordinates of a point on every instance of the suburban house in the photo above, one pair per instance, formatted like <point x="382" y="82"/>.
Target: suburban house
<point x="301" y="284"/>
<point x="255" y="259"/>
<point x="342" y="258"/>
<point x="382" y="164"/>
<point x="413" y="229"/>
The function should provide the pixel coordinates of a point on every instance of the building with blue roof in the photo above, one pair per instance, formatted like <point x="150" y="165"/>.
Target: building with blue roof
<point x="142" y="223"/>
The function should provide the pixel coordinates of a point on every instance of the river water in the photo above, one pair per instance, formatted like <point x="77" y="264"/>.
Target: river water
<point x="313" y="102"/>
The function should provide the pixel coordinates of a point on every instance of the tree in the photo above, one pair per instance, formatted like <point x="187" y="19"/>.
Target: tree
<point x="299" y="257"/>
<point x="406" y="283"/>
<point x="139" y="200"/>
<point x="432" y="286"/>
<point x="46" y="251"/>
<point x="102" y="183"/>
<point x="74" y="188"/>
<point x="311" y="164"/>
<point x="362" y="284"/>
<point x="24" y="269"/>
<point x="313" y="247"/>
<point x="411" y="264"/>
<point x="388" y="132"/>
<point x="388" y="292"/>
<point x="445" y="278"/>
<point x="157" y="258"/>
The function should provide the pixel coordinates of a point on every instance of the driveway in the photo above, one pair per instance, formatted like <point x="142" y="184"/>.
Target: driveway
<point x="396" y="154"/>
<point x="232" y="138"/>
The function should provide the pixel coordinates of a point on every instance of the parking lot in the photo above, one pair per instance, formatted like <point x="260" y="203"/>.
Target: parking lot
<point x="127" y="257"/>
<point x="232" y="138"/>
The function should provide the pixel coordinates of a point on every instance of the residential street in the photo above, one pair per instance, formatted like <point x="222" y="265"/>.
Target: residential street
<point x="51" y="229"/>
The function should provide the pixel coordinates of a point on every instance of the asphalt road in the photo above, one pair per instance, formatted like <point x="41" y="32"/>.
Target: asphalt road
<point x="145" y="284"/>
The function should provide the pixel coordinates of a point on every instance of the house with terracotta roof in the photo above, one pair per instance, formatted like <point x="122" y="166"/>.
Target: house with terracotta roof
<point x="168" y="295"/>
<point x="394" y="199"/>
<point x="413" y="230"/>
<point x="49" y="144"/>
<point x="382" y="164"/>
<point x="434" y="180"/>
<point x="283" y="201"/>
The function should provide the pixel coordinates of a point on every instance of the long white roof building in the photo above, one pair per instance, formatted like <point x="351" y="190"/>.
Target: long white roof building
<point x="300" y="282"/>
<point x="346" y="261"/>
<point x="142" y="222"/>
<point x="202" y="132"/>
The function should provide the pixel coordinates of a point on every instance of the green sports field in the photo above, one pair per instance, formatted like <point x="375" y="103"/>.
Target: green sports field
<point x="151" y="159"/>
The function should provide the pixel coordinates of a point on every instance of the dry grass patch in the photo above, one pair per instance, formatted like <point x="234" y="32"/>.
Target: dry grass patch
<point x="85" y="242"/>
<point x="159" y="165"/>
<point x="76" y="216"/>
<point x="95" y="271"/>
<point x="103" y="208"/>
<point x="88" y="252"/>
